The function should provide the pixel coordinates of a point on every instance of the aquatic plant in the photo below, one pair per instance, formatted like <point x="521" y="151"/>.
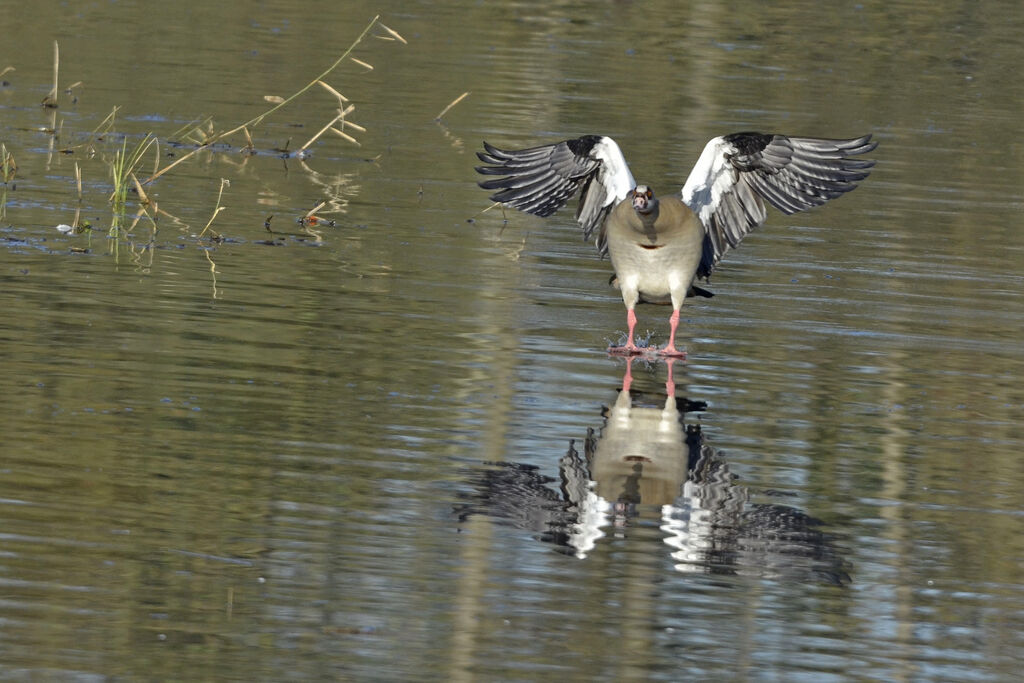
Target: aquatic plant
<point x="122" y="169"/>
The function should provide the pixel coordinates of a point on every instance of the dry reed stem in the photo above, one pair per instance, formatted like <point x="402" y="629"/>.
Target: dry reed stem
<point x="319" y="133"/>
<point x="453" y="103"/>
<point x="255" y="121"/>
<point x="316" y="208"/>
<point x="51" y="99"/>
<point x="6" y="70"/>
<point x="495" y="204"/>
<point x="8" y="164"/>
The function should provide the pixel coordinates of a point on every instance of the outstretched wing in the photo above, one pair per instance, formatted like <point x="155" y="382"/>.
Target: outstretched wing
<point x="540" y="180"/>
<point x="736" y="173"/>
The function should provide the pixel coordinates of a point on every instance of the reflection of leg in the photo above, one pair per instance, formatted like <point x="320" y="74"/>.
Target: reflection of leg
<point x="627" y="381"/>
<point x="670" y="384"/>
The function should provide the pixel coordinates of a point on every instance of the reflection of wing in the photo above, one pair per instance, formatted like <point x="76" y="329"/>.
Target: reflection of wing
<point x="737" y="173"/>
<point x="521" y="496"/>
<point x="540" y="180"/>
<point x="708" y="521"/>
<point x="713" y="528"/>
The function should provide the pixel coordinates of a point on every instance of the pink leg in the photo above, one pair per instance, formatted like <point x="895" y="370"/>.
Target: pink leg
<point x="630" y="348"/>
<point x="670" y="350"/>
<point x="631" y="322"/>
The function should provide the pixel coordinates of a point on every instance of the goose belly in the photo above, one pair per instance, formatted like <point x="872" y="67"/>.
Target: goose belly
<point x="656" y="273"/>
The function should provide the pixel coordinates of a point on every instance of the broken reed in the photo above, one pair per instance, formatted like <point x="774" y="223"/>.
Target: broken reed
<point x="8" y="170"/>
<point x="343" y="110"/>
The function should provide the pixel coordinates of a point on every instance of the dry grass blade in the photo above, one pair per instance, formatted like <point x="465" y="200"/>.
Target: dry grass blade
<point x="362" y="63"/>
<point x="328" y="88"/>
<point x="394" y="34"/>
<point x="109" y="121"/>
<point x="346" y="136"/>
<point x="224" y="182"/>
<point x="156" y="154"/>
<point x="453" y="103"/>
<point x="6" y="70"/>
<point x="143" y="197"/>
<point x="273" y="99"/>
<point x="348" y="124"/>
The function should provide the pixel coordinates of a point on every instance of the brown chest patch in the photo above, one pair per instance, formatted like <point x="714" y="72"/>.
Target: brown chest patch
<point x="650" y="246"/>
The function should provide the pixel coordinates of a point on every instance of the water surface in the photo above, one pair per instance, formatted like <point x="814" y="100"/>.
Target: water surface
<point x="386" y="448"/>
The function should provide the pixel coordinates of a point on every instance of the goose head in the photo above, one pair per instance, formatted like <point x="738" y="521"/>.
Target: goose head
<point x="644" y="201"/>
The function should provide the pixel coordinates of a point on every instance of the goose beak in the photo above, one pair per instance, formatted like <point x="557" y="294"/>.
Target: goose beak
<point x="640" y="202"/>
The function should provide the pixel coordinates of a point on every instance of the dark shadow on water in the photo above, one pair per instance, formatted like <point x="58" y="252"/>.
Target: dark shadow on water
<point x="645" y="460"/>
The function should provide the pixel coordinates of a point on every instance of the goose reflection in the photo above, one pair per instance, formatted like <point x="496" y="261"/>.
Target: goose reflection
<point x="645" y="457"/>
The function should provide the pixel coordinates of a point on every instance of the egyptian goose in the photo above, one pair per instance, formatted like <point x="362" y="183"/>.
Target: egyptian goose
<point x="659" y="246"/>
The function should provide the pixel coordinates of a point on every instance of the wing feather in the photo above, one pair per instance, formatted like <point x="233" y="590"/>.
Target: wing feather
<point x="540" y="180"/>
<point x="737" y="173"/>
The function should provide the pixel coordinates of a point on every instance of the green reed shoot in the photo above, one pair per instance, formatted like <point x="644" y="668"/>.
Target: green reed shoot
<point x="126" y="161"/>
<point x="122" y="171"/>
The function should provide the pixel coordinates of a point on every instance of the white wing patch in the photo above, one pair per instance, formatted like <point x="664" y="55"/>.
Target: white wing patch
<point x="711" y="178"/>
<point x="615" y="175"/>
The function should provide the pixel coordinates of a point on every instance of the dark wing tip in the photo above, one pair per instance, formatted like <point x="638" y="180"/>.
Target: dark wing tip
<point x="537" y="180"/>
